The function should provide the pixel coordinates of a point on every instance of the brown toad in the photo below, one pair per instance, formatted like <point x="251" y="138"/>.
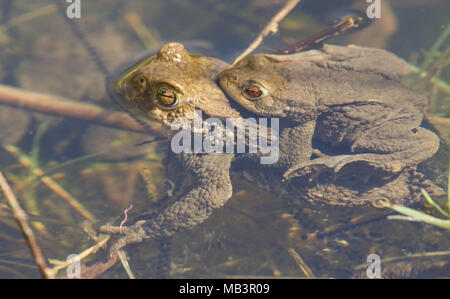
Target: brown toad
<point x="161" y="88"/>
<point x="170" y="85"/>
<point x="349" y="97"/>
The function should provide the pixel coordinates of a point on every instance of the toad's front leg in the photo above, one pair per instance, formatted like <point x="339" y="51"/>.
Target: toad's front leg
<point x="397" y="145"/>
<point x="213" y="189"/>
<point x="296" y="151"/>
<point x="296" y="144"/>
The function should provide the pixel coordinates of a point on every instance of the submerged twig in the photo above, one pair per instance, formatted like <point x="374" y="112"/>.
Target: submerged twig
<point x="301" y="264"/>
<point x="59" y="106"/>
<point x="123" y="259"/>
<point x="344" y="227"/>
<point x="59" y="265"/>
<point x="317" y="39"/>
<point x="50" y="183"/>
<point x="29" y="16"/>
<point x="149" y="38"/>
<point x="271" y="27"/>
<point x="22" y="219"/>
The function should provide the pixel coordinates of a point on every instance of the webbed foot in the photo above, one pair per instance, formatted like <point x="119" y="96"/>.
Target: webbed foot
<point x="335" y="164"/>
<point x="129" y="234"/>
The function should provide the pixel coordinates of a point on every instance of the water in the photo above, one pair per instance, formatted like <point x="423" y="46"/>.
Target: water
<point x="252" y="234"/>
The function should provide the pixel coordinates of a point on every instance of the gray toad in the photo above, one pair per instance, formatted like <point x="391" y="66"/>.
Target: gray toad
<point x="345" y="96"/>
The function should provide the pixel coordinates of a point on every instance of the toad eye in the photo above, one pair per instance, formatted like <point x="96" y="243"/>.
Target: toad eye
<point x="166" y="97"/>
<point x="253" y="91"/>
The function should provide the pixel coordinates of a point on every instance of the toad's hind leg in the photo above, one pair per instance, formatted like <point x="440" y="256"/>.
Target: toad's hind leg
<point x="397" y="145"/>
<point x="389" y="144"/>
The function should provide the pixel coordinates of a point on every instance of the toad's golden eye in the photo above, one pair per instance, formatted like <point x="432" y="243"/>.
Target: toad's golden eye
<point x="166" y="97"/>
<point x="253" y="91"/>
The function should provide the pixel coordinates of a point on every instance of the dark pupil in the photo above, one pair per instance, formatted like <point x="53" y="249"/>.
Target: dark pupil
<point x="166" y="96"/>
<point x="254" y="91"/>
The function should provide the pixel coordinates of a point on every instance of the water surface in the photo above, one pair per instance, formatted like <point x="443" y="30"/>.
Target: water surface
<point x="251" y="235"/>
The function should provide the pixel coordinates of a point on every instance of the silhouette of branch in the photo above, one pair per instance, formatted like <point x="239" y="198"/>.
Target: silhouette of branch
<point x="60" y="106"/>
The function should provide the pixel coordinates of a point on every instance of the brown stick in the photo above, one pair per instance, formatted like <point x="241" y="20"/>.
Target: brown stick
<point x="21" y="217"/>
<point x="301" y="264"/>
<point x="61" y="265"/>
<point x="315" y="40"/>
<point x="59" y="106"/>
<point x="271" y="27"/>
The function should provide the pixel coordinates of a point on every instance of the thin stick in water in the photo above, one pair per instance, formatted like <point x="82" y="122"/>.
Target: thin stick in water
<point x="271" y="27"/>
<point x="22" y="219"/>
<point x="50" y="183"/>
<point x="302" y="265"/>
<point x="317" y="39"/>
